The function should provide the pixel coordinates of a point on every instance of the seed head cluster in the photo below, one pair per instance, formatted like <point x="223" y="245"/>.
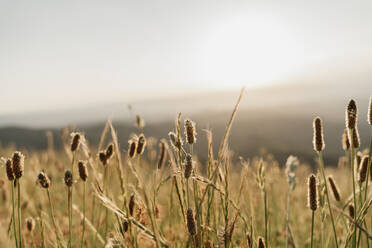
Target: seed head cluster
<point x="312" y="193"/>
<point x="318" y="140"/>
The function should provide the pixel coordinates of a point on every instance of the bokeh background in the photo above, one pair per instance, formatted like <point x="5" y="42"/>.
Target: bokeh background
<point x="82" y="62"/>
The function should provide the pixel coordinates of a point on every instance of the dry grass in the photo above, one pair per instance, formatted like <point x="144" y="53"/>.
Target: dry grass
<point x="149" y="195"/>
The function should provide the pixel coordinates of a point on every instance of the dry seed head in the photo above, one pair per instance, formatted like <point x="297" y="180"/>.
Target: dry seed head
<point x="132" y="148"/>
<point x="109" y="151"/>
<point x="43" y="180"/>
<point x="351" y="114"/>
<point x="312" y="193"/>
<point x="190" y="132"/>
<point x="334" y="188"/>
<point x="345" y="140"/>
<point x="370" y="111"/>
<point x="141" y="144"/>
<point x="9" y="169"/>
<point x="102" y="157"/>
<point x="18" y="164"/>
<point x="351" y="210"/>
<point x="75" y="141"/>
<point x="125" y="226"/>
<point x="188" y="166"/>
<point x="132" y="202"/>
<point x="68" y="178"/>
<point x="318" y="140"/>
<point x="190" y="222"/>
<point x="30" y="223"/>
<point x="249" y="240"/>
<point x="261" y="242"/>
<point x="177" y="144"/>
<point x="356" y="139"/>
<point x="83" y="170"/>
<point x="140" y="123"/>
<point x="162" y="154"/>
<point x="363" y="169"/>
<point x="358" y="158"/>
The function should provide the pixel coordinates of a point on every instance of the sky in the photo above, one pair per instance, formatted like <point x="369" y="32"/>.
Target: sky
<point x="59" y="54"/>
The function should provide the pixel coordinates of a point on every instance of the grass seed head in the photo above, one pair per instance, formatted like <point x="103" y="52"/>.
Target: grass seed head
<point x="141" y="144"/>
<point x="351" y="210"/>
<point x="190" y="132"/>
<point x="131" y="205"/>
<point x="261" y="242"/>
<point x="125" y="226"/>
<point x="190" y="222"/>
<point x="312" y="193"/>
<point x="334" y="188"/>
<point x="43" y="180"/>
<point x="356" y="139"/>
<point x="188" y="166"/>
<point x="83" y="170"/>
<point x="351" y="114"/>
<point x="132" y="148"/>
<point x="68" y="178"/>
<point x="162" y="154"/>
<point x="249" y="240"/>
<point x="109" y="151"/>
<point x="18" y="164"/>
<point x="30" y="224"/>
<point x="363" y="169"/>
<point x="318" y="140"/>
<point x="9" y="169"/>
<point x="75" y="141"/>
<point x="176" y="143"/>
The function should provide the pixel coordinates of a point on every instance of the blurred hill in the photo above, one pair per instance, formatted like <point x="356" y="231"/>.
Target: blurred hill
<point x="277" y="118"/>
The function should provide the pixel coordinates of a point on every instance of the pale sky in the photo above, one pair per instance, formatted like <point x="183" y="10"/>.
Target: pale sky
<point x="56" y="54"/>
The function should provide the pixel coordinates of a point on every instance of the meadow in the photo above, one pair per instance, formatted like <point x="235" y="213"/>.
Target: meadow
<point x="146" y="192"/>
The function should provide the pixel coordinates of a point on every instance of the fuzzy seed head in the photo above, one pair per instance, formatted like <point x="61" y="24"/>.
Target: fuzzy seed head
<point x="356" y="139"/>
<point x="370" y="111"/>
<point x="249" y="240"/>
<point x="345" y="140"/>
<point x="132" y="148"/>
<point x="312" y="193"/>
<point x="75" y="141"/>
<point x="18" y="164"/>
<point x="109" y="151"/>
<point x="68" y="178"/>
<point x="125" y="226"/>
<point x="261" y="242"/>
<point x="351" y="114"/>
<point x="162" y="154"/>
<point x="190" y="132"/>
<point x="351" y="210"/>
<point x="177" y="144"/>
<point x="83" y="170"/>
<point x="188" y="166"/>
<point x="363" y="169"/>
<point x="141" y="144"/>
<point x="318" y="140"/>
<point x="43" y="180"/>
<point x="9" y="169"/>
<point x="334" y="188"/>
<point x="190" y="222"/>
<point x="102" y="157"/>
<point x="132" y="202"/>
<point x="30" y="223"/>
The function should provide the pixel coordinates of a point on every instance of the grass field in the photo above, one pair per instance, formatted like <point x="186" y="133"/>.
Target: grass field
<point x="144" y="192"/>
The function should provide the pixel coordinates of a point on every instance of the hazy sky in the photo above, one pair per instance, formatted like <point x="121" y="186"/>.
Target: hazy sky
<point x="55" y="54"/>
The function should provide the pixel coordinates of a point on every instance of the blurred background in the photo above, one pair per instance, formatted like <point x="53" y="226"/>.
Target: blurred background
<point x="82" y="62"/>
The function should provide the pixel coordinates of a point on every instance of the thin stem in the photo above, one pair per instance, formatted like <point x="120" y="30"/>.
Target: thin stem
<point x="312" y="228"/>
<point x="82" y="235"/>
<point x="266" y="219"/>
<point x="13" y="215"/>
<point x="52" y="216"/>
<point x="353" y="178"/>
<point x="70" y="217"/>
<point x="321" y="162"/>
<point x="287" y="221"/>
<point x="19" y="213"/>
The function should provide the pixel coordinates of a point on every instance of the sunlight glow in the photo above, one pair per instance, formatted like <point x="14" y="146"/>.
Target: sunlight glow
<point x="250" y="50"/>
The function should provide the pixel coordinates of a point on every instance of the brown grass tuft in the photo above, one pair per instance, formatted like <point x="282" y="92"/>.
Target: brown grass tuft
<point x="261" y="242"/>
<point x="141" y="144"/>
<point x="312" y="193"/>
<point x="351" y="210"/>
<point x="83" y="170"/>
<point x="163" y="153"/>
<point x="351" y="114"/>
<point x="43" y="180"/>
<point x="75" y="141"/>
<point x="190" y="132"/>
<point x="318" y="140"/>
<point x="363" y="169"/>
<point x="190" y="222"/>
<point x="18" y="164"/>
<point x="334" y="188"/>
<point x="68" y="178"/>
<point x="188" y="166"/>
<point x="9" y="169"/>
<point x="132" y="148"/>
<point x="345" y="140"/>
